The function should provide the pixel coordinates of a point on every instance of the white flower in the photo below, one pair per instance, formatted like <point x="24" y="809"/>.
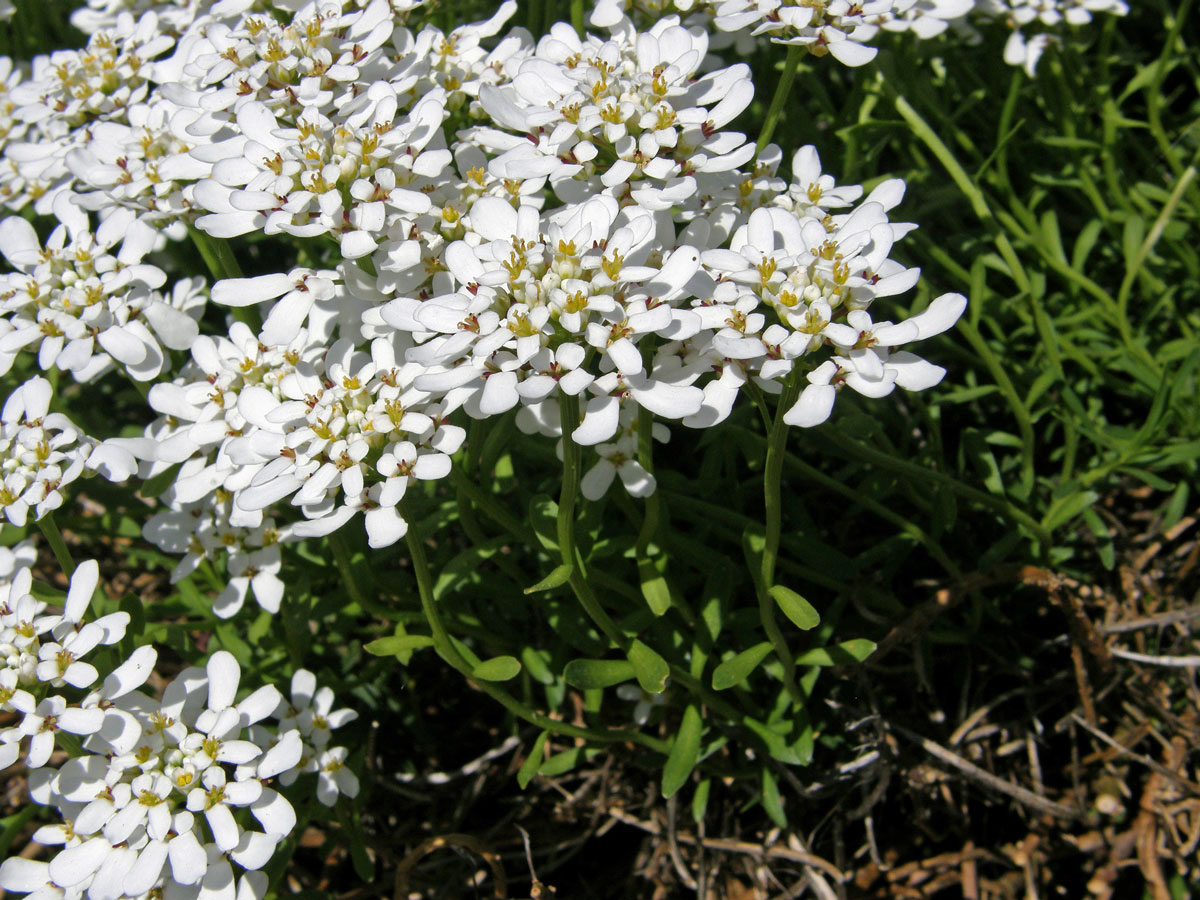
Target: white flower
<point x="151" y="771"/>
<point x="310" y="710"/>
<point x="1025" y="50"/>
<point x="333" y="777"/>
<point x="637" y="97"/>
<point x="347" y="177"/>
<point x="40" y="453"/>
<point x="83" y="308"/>
<point x="870" y="365"/>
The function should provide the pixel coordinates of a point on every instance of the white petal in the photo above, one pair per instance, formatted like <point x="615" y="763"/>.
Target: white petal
<point x="247" y="291"/>
<point x="223" y="677"/>
<point x="385" y="526"/>
<point x="813" y="407"/>
<point x="74" y="864"/>
<point x="187" y="857"/>
<point x="255" y="850"/>
<point x="284" y="755"/>
<point x="82" y="587"/>
<point x="599" y="423"/>
<point x="23" y="876"/>
<point x="146" y="870"/>
<point x="274" y="813"/>
<point x="225" y="830"/>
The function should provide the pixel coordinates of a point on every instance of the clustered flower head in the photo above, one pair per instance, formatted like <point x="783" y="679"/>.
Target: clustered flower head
<point x="150" y="798"/>
<point x="567" y="224"/>
<point x="84" y="309"/>
<point x="40" y="453"/>
<point x="1043" y="16"/>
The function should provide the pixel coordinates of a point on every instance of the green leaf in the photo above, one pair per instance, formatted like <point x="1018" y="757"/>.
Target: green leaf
<point x="396" y="644"/>
<point x="700" y="800"/>
<point x="535" y="665"/>
<point x="654" y="587"/>
<point x="229" y="639"/>
<point x="852" y="651"/>
<point x="796" y="608"/>
<point x="586" y="674"/>
<point x="498" y="668"/>
<point x="736" y="670"/>
<point x="718" y="592"/>
<point x="1104" y="543"/>
<point x="10" y="826"/>
<point x="543" y="518"/>
<point x="650" y="668"/>
<point x="1067" y="508"/>
<point x="776" y="744"/>
<point x="557" y="578"/>
<point x="364" y="867"/>
<point x="685" y="751"/>
<point x="465" y="565"/>
<point x="560" y="763"/>
<point x="533" y="761"/>
<point x="772" y="802"/>
<point x="154" y="486"/>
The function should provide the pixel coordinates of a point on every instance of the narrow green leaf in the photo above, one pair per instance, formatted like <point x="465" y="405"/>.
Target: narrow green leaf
<point x="560" y="763"/>
<point x="587" y="674"/>
<point x="1065" y="509"/>
<point x="535" y="665"/>
<point x="557" y="578"/>
<point x="795" y="607"/>
<point x="543" y="518"/>
<point x="1104" y="543"/>
<point x="498" y="668"/>
<point x="736" y="670"/>
<point x="156" y="485"/>
<point x="533" y="761"/>
<point x="654" y="587"/>
<point x="650" y="668"/>
<point x="396" y="644"/>
<point x="718" y="592"/>
<point x="685" y="751"/>
<point x="776" y="744"/>
<point x="1131" y="239"/>
<point x="838" y="655"/>
<point x="771" y="800"/>
<point x="700" y="800"/>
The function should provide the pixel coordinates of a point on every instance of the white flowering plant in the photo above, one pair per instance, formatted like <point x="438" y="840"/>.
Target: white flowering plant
<point x="484" y="348"/>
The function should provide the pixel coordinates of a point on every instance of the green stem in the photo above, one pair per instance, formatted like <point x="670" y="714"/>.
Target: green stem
<point x="341" y="555"/>
<point x="772" y="496"/>
<point x="221" y="263"/>
<point x="654" y="502"/>
<point x="217" y="255"/>
<point x="50" y="529"/>
<point x="1019" y="410"/>
<point x="569" y="416"/>
<point x="444" y="645"/>
<point x="577" y="17"/>
<point x="782" y="89"/>
<point x="1156" y="231"/>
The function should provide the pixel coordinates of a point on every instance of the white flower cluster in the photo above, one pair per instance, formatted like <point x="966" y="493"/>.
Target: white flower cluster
<point x="1020" y="15"/>
<point x="149" y="794"/>
<point x="207" y="529"/>
<point x="844" y="29"/>
<point x="84" y="309"/>
<point x="838" y="28"/>
<point x="592" y="230"/>
<point x="40" y="453"/>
